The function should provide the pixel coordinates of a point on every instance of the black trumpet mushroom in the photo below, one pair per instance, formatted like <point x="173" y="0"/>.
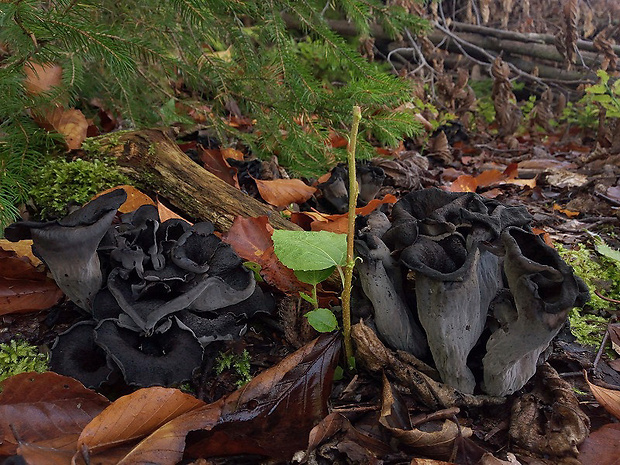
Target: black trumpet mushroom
<point x="157" y="292"/>
<point x="473" y="260"/>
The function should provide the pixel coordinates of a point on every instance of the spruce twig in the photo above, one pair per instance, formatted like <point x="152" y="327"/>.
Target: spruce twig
<point x="348" y="271"/>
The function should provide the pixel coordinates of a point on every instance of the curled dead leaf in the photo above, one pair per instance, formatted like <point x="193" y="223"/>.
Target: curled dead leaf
<point x="135" y="416"/>
<point x="23" y="288"/>
<point x="251" y="239"/>
<point x="72" y="124"/>
<point x="283" y="192"/>
<point x="608" y="398"/>
<point x="44" y="407"/>
<point x="41" y="78"/>
<point x="135" y="198"/>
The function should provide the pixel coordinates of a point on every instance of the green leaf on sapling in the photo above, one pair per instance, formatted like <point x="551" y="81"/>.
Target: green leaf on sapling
<point x="601" y="247"/>
<point x="314" y="277"/>
<point x="310" y="250"/>
<point x="322" y="319"/>
<point x="256" y="269"/>
<point x="308" y="298"/>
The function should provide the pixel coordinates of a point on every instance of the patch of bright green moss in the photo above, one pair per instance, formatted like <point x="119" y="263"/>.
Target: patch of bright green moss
<point x="20" y="357"/>
<point x="599" y="273"/>
<point x="58" y="183"/>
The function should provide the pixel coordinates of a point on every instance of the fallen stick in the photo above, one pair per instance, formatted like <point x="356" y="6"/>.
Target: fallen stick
<point x="152" y="158"/>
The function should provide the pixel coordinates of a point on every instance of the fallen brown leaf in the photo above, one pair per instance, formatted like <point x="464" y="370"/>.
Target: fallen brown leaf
<point x="608" y="398"/>
<point x="23" y="288"/>
<point x="135" y="416"/>
<point x="135" y="198"/>
<point x="251" y="239"/>
<point x="283" y="192"/>
<point x="336" y="223"/>
<point x="41" y="77"/>
<point x="72" y="124"/>
<point x="215" y="162"/>
<point x="464" y="183"/>
<point x="272" y="415"/>
<point x="44" y="407"/>
<point x="602" y="447"/>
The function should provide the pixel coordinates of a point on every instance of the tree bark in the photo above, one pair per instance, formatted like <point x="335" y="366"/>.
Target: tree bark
<point x="152" y="158"/>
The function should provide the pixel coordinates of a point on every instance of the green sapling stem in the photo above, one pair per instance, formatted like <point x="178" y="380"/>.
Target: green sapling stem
<point x="348" y="270"/>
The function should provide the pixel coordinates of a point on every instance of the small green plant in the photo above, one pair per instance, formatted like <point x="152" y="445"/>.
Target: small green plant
<point x="20" y="357"/>
<point x="59" y="182"/>
<point x="239" y="363"/>
<point x="606" y="94"/>
<point x="314" y="255"/>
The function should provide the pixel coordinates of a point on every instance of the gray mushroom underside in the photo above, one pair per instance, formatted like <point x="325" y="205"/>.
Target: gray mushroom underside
<point x="393" y="318"/>
<point x="544" y="290"/>
<point x="453" y="315"/>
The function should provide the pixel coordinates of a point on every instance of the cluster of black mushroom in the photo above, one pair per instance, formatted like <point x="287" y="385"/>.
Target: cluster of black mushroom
<point x="454" y="271"/>
<point x="156" y="292"/>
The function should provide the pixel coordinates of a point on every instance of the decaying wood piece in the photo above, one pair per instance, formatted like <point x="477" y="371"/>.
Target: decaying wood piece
<point x="412" y="374"/>
<point x="152" y="158"/>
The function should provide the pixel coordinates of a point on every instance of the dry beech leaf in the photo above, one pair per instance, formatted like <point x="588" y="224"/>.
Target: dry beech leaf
<point x="229" y="152"/>
<point x="72" y="124"/>
<point x="42" y="78"/>
<point x="464" y="183"/>
<point x="22" y="248"/>
<point x="283" y="192"/>
<point x="43" y="407"/>
<point x="602" y="447"/>
<point x="135" y="416"/>
<point x="215" y="162"/>
<point x="135" y="198"/>
<point x="569" y="213"/>
<point x="416" y="461"/>
<point x="272" y="415"/>
<point x="23" y="288"/>
<point x="608" y="398"/>
<point x="251" y="239"/>
<point x="166" y="214"/>
<point x="336" y="223"/>
<point x="613" y="330"/>
<point x="434" y="439"/>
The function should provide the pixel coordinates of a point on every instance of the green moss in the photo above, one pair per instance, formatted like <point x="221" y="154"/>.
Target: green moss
<point x="58" y="183"/>
<point x="239" y="363"/>
<point x="599" y="273"/>
<point x="20" y="357"/>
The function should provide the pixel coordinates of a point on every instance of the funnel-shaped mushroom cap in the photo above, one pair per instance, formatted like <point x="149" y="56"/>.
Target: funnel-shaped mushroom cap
<point x="69" y="246"/>
<point x="75" y="354"/>
<point x="158" y="360"/>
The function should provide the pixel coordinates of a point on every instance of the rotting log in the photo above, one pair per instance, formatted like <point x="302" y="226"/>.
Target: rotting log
<point x="153" y="159"/>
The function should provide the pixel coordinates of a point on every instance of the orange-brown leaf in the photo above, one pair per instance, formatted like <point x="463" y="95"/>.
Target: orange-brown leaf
<point x="489" y="177"/>
<point x="602" y="447"/>
<point x="135" y="416"/>
<point x="338" y="223"/>
<point x="214" y="161"/>
<point x="44" y="406"/>
<point x="464" y="183"/>
<point x="23" y="288"/>
<point x="569" y="213"/>
<point x="272" y="415"/>
<point x="283" y="192"/>
<point x="165" y="213"/>
<point x="42" y="78"/>
<point x="135" y="198"/>
<point x="608" y="398"/>
<point x="72" y="124"/>
<point x="251" y="239"/>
